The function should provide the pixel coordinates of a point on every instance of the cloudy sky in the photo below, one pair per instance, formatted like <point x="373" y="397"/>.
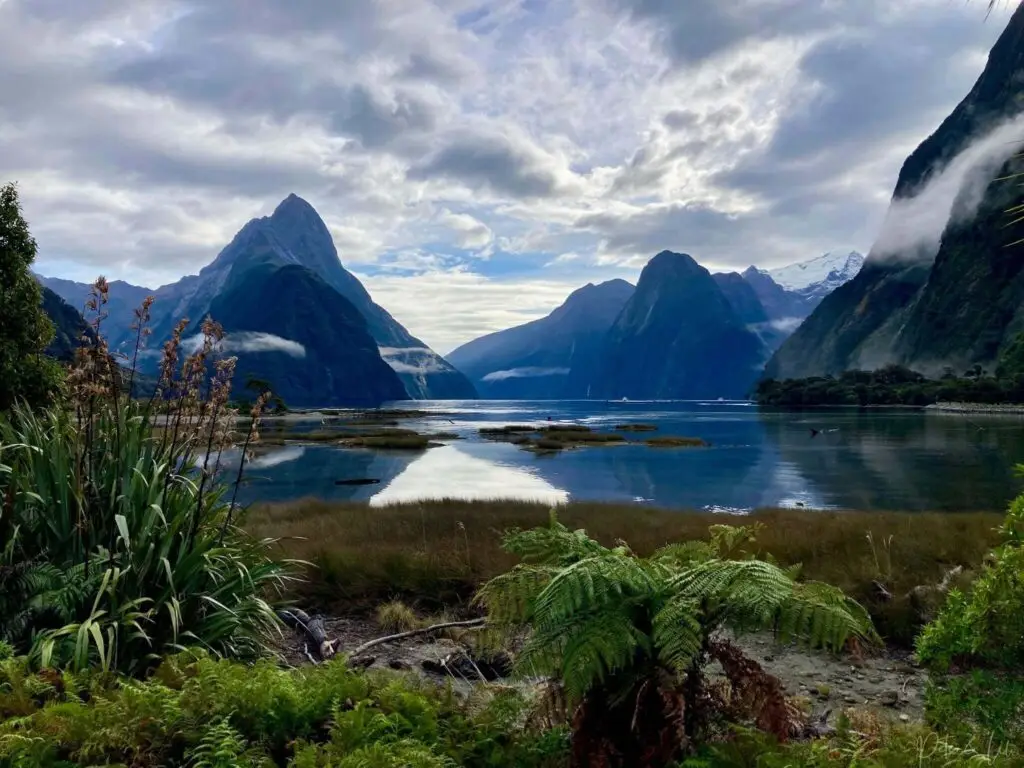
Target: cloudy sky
<point x="475" y="159"/>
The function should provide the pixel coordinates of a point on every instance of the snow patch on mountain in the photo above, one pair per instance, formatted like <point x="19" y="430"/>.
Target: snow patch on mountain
<point x="825" y="273"/>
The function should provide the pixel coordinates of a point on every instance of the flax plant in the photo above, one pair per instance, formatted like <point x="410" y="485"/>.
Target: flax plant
<point x="117" y="543"/>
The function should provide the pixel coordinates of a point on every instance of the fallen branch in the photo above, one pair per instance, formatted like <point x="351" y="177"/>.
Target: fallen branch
<point x="471" y="624"/>
<point x="314" y="628"/>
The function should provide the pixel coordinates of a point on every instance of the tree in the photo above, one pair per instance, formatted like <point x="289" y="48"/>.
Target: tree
<point x="25" y="330"/>
<point x="626" y="639"/>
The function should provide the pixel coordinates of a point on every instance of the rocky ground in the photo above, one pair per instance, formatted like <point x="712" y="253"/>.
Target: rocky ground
<point x="887" y="682"/>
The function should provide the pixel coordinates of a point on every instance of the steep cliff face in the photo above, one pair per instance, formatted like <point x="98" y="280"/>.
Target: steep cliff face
<point x="922" y="306"/>
<point x="314" y="347"/>
<point x="555" y="357"/>
<point x="678" y="337"/>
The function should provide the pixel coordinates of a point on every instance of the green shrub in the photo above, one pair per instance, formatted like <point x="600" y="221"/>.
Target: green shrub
<point x="199" y="711"/>
<point x="981" y="708"/>
<point x="120" y="544"/>
<point x="985" y="627"/>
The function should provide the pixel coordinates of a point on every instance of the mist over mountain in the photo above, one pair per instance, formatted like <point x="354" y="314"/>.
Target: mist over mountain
<point x="939" y="288"/>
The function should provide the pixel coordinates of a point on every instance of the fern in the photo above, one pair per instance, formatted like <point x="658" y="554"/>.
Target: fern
<point x="605" y="624"/>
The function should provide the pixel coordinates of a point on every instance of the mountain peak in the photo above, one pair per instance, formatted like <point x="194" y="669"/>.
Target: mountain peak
<point x="671" y="261"/>
<point x="295" y="210"/>
<point x="833" y="268"/>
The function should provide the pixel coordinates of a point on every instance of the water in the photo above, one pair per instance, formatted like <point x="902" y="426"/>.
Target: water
<point x="884" y="459"/>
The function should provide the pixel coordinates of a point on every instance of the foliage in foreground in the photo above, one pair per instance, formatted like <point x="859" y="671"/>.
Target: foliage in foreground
<point x="118" y="545"/>
<point x="197" y="711"/>
<point x="26" y="374"/>
<point x="628" y="638"/>
<point x="980" y="635"/>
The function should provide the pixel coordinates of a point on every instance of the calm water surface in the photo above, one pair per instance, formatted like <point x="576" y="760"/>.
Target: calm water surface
<point x="883" y="459"/>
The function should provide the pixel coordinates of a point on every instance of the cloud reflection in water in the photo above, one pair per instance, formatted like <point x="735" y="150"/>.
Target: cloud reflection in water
<point x="448" y="473"/>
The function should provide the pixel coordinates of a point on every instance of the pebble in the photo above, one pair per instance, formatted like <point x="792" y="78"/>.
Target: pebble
<point x="905" y="718"/>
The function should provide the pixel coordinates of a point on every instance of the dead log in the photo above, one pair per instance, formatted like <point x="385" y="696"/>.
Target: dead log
<point x="313" y="628"/>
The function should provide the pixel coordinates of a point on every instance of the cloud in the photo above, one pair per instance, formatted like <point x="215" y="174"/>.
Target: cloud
<point x="251" y="342"/>
<point x="498" y="163"/>
<point x="782" y="324"/>
<point x="914" y="226"/>
<point x="528" y="372"/>
<point x="468" y="232"/>
<point x="145" y="134"/>
<point x="415" y="360"/>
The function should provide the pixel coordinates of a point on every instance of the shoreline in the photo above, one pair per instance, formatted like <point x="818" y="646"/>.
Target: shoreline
<point x="976" y="408"/>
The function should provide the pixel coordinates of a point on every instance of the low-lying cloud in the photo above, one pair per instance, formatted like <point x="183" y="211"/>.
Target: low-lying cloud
<point x="525" y="373"/>
<point x="782" y="324"/>
<point x="414" y="360"/>
<point x="249" y="341"/>
<point x="914" y="226"/>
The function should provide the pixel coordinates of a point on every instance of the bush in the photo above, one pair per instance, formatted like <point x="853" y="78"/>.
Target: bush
<point x="199" y="711"/>
<point x="119" y="545"/>
<point x="985" y="627"/>
<point x="627" y="638"/>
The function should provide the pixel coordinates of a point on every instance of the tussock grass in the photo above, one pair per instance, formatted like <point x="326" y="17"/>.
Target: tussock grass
<point x="396" y="616"/>
<point x="436" y="554"/>
<point x="676" y="442"/>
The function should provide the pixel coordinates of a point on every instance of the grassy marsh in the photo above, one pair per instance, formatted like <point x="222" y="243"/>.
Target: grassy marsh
<point x="435" y="554"/>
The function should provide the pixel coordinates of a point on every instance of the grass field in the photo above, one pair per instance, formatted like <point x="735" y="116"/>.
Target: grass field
<point x="436" y="554"/>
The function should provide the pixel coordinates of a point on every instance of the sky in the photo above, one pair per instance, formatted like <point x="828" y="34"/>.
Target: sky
<point x="475" y="160"/>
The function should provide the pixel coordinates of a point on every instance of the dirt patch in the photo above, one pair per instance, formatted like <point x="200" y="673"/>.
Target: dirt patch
<point x="887" y="682"/>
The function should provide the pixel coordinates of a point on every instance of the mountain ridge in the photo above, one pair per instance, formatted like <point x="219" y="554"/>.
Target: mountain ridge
<point x="294" y="234"/>
<point x="955" y="306"/>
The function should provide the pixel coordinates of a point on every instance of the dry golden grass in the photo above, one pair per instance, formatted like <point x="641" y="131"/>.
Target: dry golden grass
<point x="435" y="554"/>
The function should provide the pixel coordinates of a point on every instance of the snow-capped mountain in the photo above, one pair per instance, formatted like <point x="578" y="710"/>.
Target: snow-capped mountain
<point x="824" y="274"/>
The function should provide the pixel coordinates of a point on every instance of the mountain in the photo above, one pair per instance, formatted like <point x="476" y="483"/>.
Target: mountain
<point x="923" y="306"/>
<point x="554" y="357"/>
<point x="68" y="326"/>
<point x="678" y="337"/>
<point x="820" y="276"/>
<point x="314" y="347"/>
<point x="794" y="291"/>
<point x="122" y="301"/>
<point x="293" y="235"/>
<point x="742" y="297"/>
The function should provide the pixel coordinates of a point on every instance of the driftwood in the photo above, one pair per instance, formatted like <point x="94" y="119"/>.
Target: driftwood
<point x="471" y="624"/>
<point x="314" y="629"/>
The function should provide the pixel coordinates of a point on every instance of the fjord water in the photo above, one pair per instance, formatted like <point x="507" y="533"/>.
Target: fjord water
<point x="875" y="459"/>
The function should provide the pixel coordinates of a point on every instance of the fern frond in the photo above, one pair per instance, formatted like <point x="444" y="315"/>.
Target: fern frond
<point x="553" y="545"/>
<point x="678" y="633"/>
<point x="591" y="584"/>
<point x="585" y="652"/>
<point x="684" y="553"/>
<point x="821" y="616"/>
<point x="744" y="593"/>
<point x="508" y="597"/>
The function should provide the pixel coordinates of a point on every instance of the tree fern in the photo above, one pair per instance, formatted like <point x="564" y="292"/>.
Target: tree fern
<point x="604" y="623"/>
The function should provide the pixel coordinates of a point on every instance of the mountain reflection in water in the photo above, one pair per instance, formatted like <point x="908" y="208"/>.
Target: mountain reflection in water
<point x="880" y="459"/>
